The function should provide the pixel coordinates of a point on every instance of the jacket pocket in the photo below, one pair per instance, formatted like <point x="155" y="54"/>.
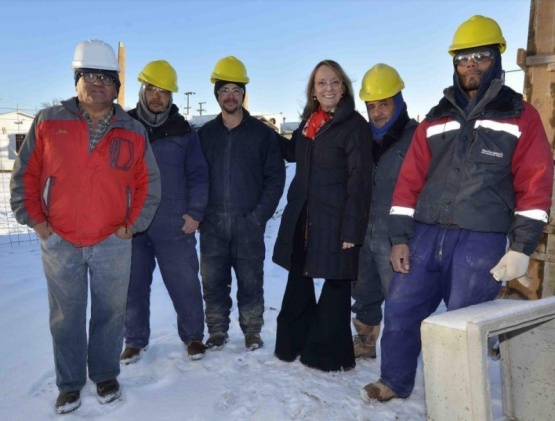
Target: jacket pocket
<point x="492" y="146"/>
<point x="121" y="154"/>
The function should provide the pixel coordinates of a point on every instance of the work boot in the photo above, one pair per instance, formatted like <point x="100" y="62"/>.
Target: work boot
<point x="253" y="341"/>
<point x="365" y="340"/>
<point x="68" y="402"/>
<point x="108" y="391"/>
<point x="195" y="349"/>
<point x="378" y="391"/>
<point x="131" y="355"/>
<point x="217" y="340"/>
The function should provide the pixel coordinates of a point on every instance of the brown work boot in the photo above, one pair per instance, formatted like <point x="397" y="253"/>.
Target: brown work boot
<point x="108" y="391"/>
<point x="365" y="340"/>
<point x="196" y="349"/>
<point x="217" y="340"/>
<point x="377" y="391"/>
<point x="253" y="341"/>
<point x="68" y="401"/>
<point x="131" y="355"/>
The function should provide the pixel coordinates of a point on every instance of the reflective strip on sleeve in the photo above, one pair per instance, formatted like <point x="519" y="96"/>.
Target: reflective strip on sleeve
<point x="536" y="214"/>
<point x="442" y="128"/>
<point x="399" y="210"/>
<point x="499" y="127"/>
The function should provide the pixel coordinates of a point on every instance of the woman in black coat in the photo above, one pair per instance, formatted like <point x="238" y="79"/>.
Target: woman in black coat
<point x="324" y="223"/>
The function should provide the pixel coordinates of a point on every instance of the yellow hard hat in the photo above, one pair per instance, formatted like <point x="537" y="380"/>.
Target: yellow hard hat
<point x="476" y="32"/>
<point x="380" y="82"/>
<point x="230" y="69"/>
<point x="161" y="74"/>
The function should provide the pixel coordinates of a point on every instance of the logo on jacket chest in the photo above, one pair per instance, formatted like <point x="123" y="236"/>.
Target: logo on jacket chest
<point x="491" y="153"/>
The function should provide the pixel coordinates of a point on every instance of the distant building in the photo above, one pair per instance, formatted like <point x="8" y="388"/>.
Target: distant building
<point x="287" y="129"/>
<point x="197" y="121"/>
<point x="13" y="129"/>
<point x="274" y="121"/>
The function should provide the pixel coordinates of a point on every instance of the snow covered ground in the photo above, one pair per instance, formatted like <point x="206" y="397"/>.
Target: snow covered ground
<point x="231" y="384"/>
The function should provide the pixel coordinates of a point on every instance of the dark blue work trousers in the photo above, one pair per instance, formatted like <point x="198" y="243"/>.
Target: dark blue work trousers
<point x="445" y="264"/>
<point x="232" y="241"/>
<point x="177" y="258"/>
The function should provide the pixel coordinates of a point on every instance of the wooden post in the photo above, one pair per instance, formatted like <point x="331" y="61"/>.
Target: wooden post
<point x="121" y="61"/>
<point x="538" y="63"/>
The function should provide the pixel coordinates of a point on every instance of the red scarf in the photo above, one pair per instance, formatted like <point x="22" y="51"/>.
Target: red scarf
<point x="315" y="123"/>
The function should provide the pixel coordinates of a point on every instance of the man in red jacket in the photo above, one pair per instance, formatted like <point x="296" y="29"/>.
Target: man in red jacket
<point x="477" y="177"/>
<point x="86" y="180"/>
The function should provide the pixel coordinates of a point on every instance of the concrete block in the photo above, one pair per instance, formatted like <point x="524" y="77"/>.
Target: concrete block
<point x="454" y="352"/>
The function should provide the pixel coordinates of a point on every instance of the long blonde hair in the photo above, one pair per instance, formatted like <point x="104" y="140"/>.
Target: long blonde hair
<point x="312" y="103"/>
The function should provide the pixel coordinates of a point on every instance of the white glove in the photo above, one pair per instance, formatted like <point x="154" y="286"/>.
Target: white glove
<point x="511" y="266"/>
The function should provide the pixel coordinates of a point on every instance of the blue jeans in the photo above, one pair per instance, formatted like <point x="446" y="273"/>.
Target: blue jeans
<point x="445" y="264"/>
<point x="68" y="271"/>
<point x="232" y="241"/>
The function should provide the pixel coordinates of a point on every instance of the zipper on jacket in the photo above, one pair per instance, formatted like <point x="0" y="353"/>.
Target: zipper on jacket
<point x="47" y="193"/>
<point x="227" y="170"/>
<point x="128" y="210"/>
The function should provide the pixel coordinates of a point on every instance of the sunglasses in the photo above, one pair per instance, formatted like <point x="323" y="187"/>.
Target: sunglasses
<point x="479" y="57"/>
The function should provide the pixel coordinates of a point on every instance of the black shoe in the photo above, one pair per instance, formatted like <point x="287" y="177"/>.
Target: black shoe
<point x="217" y="340"/>
<point x="131" y="355"/>
<point x="68" y="402"/>
<point x="108" y="391"/>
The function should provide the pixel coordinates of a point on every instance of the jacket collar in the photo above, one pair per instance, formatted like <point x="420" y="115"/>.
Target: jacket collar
<point x="499" y="100"/>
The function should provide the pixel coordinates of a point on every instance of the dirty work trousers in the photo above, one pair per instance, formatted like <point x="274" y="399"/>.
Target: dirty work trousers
<point x="374" y="279"/>
<point x="232" y="241"/>
<point x="445" y="264"/>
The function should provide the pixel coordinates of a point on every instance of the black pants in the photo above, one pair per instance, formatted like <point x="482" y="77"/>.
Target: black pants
<point x="319" y="332"/>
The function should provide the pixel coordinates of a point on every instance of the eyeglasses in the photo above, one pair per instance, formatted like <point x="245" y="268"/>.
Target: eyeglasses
<point x="234" y="91"/>
<point x="333" y="84"/>
<point x="478" y="57"/>
<point x="151" y="89"/>
<point x="92" y="77"/>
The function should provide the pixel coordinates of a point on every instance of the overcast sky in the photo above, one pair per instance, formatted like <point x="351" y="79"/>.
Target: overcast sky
<point x="280" y="41"/>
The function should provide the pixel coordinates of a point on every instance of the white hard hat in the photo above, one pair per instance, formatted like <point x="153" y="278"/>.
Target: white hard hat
<point x="94" y="54"/>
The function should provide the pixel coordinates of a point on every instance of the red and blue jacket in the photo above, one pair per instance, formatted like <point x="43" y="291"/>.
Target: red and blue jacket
<point x="85" y="195"/>
<point x="489" y="171"/>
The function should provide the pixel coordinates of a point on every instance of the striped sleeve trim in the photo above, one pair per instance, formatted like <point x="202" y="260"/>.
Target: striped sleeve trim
<point x="442" y="128"/>
<point x="399" y="210"/>
<point x="536" y="214"/>
<point x="499" y="127"/>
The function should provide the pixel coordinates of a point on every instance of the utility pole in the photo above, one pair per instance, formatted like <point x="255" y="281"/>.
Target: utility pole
<point x="187" y="108"/>
<point x="538" y="63"/>
<point x="200" y="109"/>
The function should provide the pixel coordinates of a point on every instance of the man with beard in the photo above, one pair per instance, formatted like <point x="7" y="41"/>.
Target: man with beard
<point x="247" y="177"/>
<point x="170" y="239"/>
<point x="392" y="131"/>
<point x="469" y="205"/>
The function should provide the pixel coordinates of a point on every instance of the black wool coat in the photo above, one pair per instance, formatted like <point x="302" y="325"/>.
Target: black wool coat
<point x="333" y="179"/>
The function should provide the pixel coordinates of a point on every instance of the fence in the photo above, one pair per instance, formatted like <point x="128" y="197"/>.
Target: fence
<point x="11" y="233"/>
